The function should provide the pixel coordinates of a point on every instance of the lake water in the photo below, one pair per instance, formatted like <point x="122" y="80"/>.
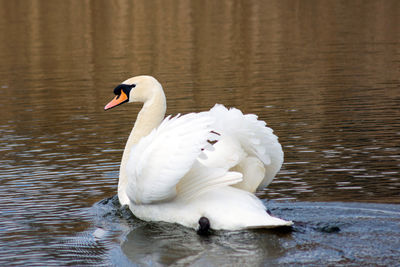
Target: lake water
<point x="325" y="75"/>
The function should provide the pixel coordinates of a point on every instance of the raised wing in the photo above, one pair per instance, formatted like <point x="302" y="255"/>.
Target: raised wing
<point x="254" y="137"/>
<point x="158" y="162"/>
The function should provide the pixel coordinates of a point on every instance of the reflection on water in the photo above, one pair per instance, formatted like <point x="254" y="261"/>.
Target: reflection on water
<point x="323" y="234"/>
<point x="324" y="75"/>
<point x="154" y="244"/>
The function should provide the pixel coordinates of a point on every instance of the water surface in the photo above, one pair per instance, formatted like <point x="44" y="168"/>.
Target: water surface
<point x="323" y="74"/>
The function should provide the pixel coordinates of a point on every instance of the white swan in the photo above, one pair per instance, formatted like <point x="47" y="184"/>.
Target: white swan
<point x="198" y="170"/>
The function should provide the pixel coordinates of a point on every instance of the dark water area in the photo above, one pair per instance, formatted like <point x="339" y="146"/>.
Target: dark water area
<point x="325" y="75"/>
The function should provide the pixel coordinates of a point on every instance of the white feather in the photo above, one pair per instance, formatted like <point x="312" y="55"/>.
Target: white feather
<point x="253" y="137"/>
<point x="162" y="158"/>
<point x="201" y="178"/>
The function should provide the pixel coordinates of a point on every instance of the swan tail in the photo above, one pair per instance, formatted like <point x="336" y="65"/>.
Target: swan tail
<point x="233" y="209"/>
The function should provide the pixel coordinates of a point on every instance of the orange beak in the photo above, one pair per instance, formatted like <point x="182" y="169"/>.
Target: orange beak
<point x="118" y="100"/>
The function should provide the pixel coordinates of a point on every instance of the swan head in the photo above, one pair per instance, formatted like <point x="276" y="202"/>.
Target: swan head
<point x="135" y="89"/>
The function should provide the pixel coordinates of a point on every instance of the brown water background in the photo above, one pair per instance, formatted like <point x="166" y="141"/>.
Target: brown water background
<point x="325" y="75"/>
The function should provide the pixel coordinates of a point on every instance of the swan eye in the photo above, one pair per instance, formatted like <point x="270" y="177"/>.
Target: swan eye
<point x="126" y="88"/>
<point x="117" y="90"/>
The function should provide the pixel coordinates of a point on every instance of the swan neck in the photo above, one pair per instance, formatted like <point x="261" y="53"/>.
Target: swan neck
<point x="149" y="118"/>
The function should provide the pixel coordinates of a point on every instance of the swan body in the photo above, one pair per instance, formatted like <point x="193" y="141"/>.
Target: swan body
<point x="208" y="164"/>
